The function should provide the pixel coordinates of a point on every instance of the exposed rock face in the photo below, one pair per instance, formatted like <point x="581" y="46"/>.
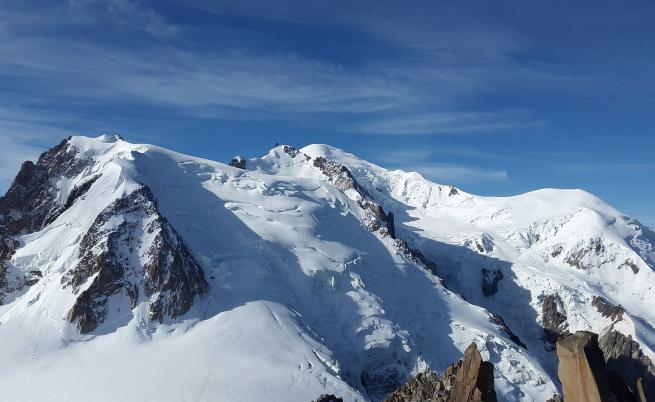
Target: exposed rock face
<point x="607" y="309"/>
<point x="588" y="255"/>
<point x="30" y="203"/>
<point x="625" y="358"/>
<point x="582" y="370"/>
<point x="490" y="279"/>
<point x="238" y="162"/>
<point x="340" y="177"/>
<point x="553" y="318"/>
<point x="132" y="251"/>
<point x="78" y="191"/>
<point x="467" y="380"/>
<point x="377" y="220"/>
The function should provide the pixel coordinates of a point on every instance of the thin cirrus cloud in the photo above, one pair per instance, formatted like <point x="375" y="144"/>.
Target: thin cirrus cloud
<point x="420" y="160"/>
<point x="446" y="122"/>
<point x="437" y="68"/>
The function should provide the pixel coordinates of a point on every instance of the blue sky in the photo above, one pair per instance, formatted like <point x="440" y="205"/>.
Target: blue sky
<point x="497" y="98"/>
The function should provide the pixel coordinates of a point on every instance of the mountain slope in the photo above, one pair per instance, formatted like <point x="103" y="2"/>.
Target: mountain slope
<point x="548" y="262"/>
<point x="143" y="274"/>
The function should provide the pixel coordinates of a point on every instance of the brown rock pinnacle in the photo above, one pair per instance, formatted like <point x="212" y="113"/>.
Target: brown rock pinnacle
<point x="474" y="380"/>
<point x="581" y="369"/>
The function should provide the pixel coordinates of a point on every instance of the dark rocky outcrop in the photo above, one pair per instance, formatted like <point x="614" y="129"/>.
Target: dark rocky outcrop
<point x="109" y="256"/>
<point x="594" y="248"/>
<point x="467" y="380"/>
<point x="607" y="309"/>
<point x="78" y="191"/>
<point x="630" y="264"/>
<point x="557" y="251"/>
<point x="416" y="256"/>
<point x="553" y="318"/>
<point x="329" y="398"/>
<point x="490" y="280"/>
<point x="625" y="357"/>
<point x="340" y="177"/>
<point x="238" y="162"/>
<point x="501" y="322"/>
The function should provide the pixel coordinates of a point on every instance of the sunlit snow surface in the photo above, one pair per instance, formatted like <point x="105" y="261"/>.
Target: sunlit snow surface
<point x="304" y="299"/>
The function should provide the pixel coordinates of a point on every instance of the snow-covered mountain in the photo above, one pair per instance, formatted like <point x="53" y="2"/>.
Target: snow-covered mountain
<point x="130" y="272"/>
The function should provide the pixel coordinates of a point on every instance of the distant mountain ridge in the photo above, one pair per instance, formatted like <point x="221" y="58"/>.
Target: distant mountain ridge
<point x="299" y="273"/>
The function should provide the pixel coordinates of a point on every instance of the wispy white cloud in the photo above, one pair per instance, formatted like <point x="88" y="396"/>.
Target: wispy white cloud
<point x="457" y="174"/>
<point x="446" y="123"/>
<point x="423" y="161"/>
<point x="439" y="68"/>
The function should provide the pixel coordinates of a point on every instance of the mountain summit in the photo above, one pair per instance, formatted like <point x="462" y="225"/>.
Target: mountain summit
<point x="130" y="272"/>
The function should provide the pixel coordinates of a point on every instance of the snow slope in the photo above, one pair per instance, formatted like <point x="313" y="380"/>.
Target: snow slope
<point x="308" y="291"/>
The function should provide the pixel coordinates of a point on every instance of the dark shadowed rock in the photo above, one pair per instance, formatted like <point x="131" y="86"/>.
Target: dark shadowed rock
<point x="582" y="369"/>
<point x="79" y="190"/>
<point x="640" y="395"/>
<point x="490" y="280"/>
<point x="553" y="318"/>
<point x="501" y="322"/>
<point x="329" y="398"/>
<point x="619" y="388"/>
<point x="555" y="398"/>
<point x="625" y="357"/>
<point x="238" y="162"/>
